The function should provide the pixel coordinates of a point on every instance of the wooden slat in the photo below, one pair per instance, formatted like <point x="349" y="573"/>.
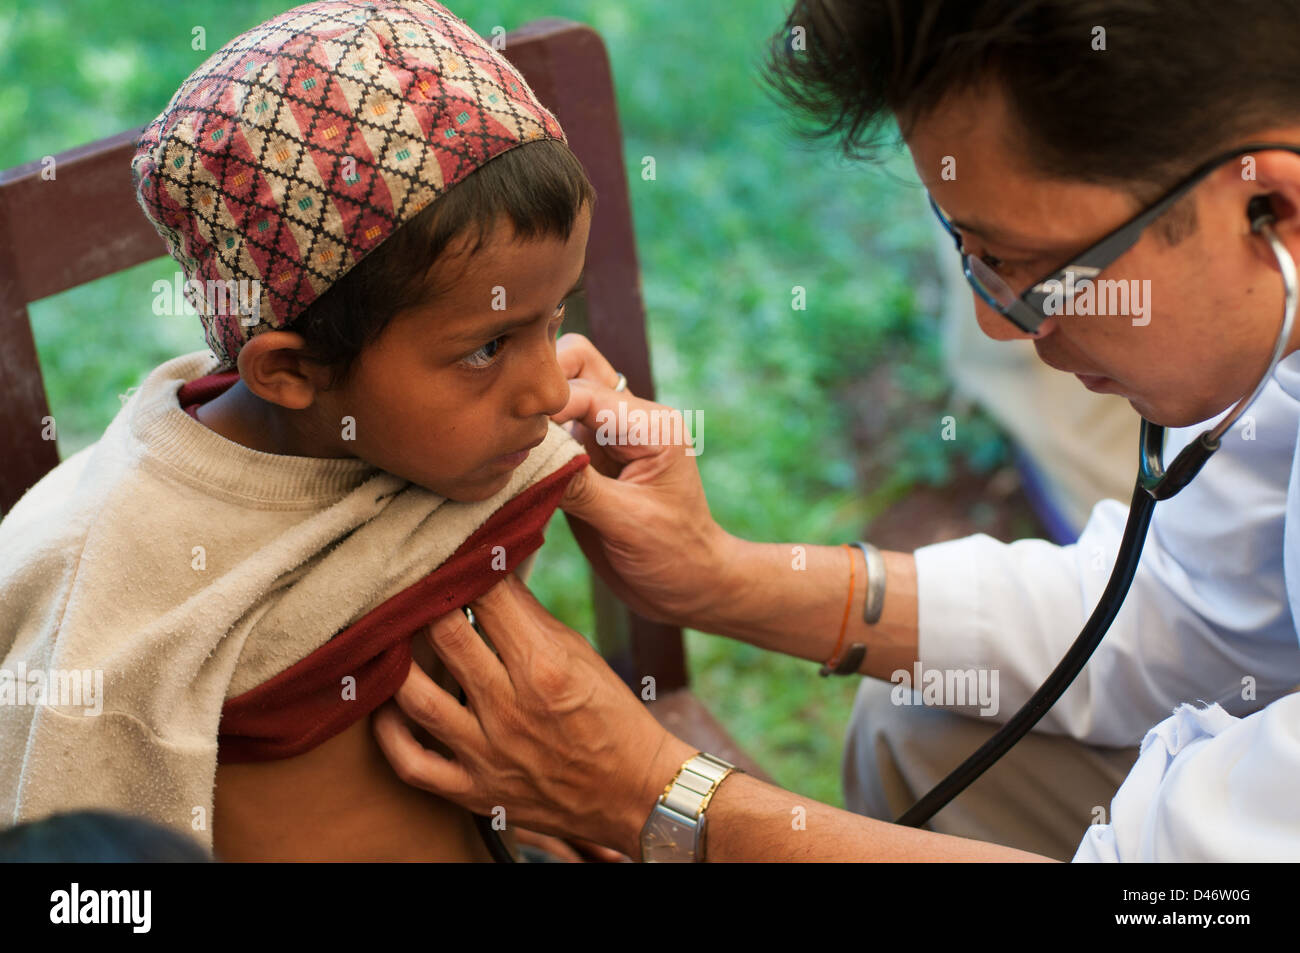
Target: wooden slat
<point x="81" y="225"/>
<point x="24" y="456"/>
<point x="56" y="233"/>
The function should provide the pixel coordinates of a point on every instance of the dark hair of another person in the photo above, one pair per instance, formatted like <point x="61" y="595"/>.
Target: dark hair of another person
<point x="97" y="837"/>
<point x="1176" y="82"/>
<point x="538" y="187"/>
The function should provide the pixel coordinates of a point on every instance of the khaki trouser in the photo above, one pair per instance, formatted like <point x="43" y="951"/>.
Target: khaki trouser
<point x="1041" y="796"/>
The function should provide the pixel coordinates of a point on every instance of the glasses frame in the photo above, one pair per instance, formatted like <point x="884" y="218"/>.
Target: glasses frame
<point x="1026" y="310"/>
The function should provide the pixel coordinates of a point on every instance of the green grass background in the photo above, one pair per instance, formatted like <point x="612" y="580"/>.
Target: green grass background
<point x="740" y="212"/>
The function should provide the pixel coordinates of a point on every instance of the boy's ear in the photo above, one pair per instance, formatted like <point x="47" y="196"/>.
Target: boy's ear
<point x="274" y="366"/>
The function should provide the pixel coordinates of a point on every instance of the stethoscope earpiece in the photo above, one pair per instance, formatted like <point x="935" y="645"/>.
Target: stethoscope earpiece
<point x="1259" y="211"/>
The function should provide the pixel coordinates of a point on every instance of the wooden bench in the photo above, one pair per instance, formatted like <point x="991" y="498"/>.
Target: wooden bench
<point x="85" y="224"/>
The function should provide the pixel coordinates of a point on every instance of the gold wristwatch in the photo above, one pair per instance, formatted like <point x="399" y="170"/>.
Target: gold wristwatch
<point x="675" y="831"/>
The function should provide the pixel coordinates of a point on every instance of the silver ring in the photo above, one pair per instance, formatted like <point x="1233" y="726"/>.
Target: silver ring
<point x="621" y="385"/>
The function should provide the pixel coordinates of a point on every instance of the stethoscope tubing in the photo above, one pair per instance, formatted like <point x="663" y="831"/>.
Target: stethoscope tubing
<point x="1032" y="711"/>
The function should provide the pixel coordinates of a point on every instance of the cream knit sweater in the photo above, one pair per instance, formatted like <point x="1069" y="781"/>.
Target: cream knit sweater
<point x="183" y="569"/>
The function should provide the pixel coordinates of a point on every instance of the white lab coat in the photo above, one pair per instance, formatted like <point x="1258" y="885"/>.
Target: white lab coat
<point x="1207" y="633"/>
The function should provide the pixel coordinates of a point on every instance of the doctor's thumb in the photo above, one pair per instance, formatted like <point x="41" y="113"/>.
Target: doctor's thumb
<point x="587" y="495"/>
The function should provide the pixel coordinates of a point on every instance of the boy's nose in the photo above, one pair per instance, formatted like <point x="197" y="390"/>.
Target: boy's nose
<point x="1000" y="328"/>
<point x="547" y="392"/>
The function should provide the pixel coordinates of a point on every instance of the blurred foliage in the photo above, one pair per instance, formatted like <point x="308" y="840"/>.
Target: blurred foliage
<point x="740" y="212"/>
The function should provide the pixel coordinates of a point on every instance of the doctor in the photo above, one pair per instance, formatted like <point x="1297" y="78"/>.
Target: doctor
<point x="1039" y="130"/>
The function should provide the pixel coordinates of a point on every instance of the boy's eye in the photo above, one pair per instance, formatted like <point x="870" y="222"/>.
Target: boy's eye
<point x="487" y="354"/>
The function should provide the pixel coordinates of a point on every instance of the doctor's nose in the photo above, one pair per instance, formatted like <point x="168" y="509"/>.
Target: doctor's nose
<point x="1000" y="328"/>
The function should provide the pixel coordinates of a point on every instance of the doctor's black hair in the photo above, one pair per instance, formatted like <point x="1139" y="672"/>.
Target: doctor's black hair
<point x="1176" y="81"/>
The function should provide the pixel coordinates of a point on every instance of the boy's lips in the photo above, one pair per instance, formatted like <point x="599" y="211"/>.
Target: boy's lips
<point x="517" y="457"/>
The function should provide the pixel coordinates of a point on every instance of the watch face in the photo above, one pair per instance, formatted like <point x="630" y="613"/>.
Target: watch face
<point x="665" y="839"/>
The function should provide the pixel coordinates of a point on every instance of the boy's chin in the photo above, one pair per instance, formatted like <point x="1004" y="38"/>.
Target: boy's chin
<point x="475" y="490"/>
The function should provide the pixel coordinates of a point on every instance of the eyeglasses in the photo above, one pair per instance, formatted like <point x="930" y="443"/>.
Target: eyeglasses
<point x="1027" y="310"/>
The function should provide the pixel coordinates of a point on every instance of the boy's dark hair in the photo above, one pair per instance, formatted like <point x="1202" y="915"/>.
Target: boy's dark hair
<point x="539" y="187"/>
<point x="1176" y="82"/>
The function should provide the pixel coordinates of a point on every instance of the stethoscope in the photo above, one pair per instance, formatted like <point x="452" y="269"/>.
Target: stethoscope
<point x="1155" y="482"/>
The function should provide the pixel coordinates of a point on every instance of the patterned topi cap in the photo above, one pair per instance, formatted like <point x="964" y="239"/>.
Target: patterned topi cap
<point x="300" y="146"/>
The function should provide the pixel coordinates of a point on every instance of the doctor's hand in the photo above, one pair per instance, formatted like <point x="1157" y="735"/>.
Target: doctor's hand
<point x="639" y="511"/>
<point x="548" y="732"/>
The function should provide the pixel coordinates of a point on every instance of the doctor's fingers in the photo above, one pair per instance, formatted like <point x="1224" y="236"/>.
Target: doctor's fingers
<point x="476" y="669"/>
<point x="416" y="765"/>
<point x="609" y="421"/>
<point x="436" y="710"/>
<point x="579" y="359"/>
<point x="539" y="652"/>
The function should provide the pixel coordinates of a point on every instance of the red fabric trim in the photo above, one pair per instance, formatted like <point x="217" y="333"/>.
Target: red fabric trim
<point x="203" y="389"/>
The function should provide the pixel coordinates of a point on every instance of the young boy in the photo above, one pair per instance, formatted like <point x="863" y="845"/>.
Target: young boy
<point x="245" y="555"/>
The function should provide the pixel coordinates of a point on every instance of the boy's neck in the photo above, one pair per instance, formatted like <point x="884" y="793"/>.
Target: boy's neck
<point x="242" y="417"/>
